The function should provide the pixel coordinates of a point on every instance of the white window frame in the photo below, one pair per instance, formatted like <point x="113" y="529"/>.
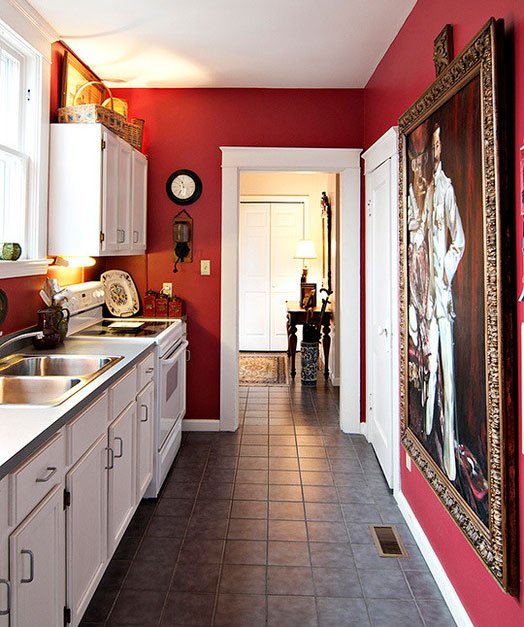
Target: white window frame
<point x="26" y="31"/>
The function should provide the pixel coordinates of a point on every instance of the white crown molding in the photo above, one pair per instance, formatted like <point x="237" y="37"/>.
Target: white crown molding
<point x="383" y="149"/>
<point x="35" y="19"/>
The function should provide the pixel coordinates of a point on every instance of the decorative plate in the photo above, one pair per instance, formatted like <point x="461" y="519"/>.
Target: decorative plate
<point x="120" y="293"/>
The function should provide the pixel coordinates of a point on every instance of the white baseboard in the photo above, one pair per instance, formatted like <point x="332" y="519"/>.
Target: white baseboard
<point x="364" y="428"/>
<point x="200" y="425"/>
<point x="439" y="574"/>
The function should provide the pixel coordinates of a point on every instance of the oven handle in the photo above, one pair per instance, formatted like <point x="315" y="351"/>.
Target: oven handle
<point x="175" y="354"/>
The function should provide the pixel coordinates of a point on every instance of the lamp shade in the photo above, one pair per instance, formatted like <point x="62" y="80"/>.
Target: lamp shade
<point x="305" y="249"/>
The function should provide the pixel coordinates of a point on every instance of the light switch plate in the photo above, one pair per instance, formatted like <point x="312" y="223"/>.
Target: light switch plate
<point x="167" y="288"/>
<point x="205" y="267"/>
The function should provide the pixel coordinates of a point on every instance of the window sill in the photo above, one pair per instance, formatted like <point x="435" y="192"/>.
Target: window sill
<point x="25" y="267"/>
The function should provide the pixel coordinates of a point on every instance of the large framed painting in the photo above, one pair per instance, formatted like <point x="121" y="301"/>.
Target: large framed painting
<point x="457" y="347"/>
<point x="74" y="75"/>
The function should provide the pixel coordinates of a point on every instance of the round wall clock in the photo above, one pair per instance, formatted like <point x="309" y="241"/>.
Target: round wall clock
<point x="184" y="187"/>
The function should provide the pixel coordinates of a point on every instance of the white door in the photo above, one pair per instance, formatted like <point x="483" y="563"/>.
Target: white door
<point x="37" y="565"/>
<point x="139" y="202"/>
<point x="286" y="229"/>
<point x="144" y="439"/>
<point x="379" y="315"/>
<point x="122" y="482"/>
<point x="86" y="527"/>
<point x="255" y="250"/>
<point x="269" y="274"/>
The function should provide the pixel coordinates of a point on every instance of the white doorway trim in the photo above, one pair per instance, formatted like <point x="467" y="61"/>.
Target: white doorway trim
<point x="382" y="150"/>
<point x="345" y="162"/>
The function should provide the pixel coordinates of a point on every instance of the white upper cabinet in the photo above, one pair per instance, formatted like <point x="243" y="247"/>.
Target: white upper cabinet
<point x="97" y="193"/>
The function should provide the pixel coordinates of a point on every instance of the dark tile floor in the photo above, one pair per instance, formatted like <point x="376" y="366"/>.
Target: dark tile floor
<point x="269" y="526"/>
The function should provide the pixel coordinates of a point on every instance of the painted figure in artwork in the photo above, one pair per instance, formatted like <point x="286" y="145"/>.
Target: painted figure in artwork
<point x="418" y="275"/>
<point x="446" y="243"/>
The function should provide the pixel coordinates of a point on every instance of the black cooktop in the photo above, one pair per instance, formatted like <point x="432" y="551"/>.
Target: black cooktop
<point x="128" y="327"/>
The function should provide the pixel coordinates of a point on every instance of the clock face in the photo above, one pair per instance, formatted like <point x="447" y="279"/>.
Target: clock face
<point x="184" y="187"/>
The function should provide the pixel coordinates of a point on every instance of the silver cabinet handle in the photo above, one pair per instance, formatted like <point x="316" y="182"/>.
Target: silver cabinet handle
<point x="51" y="471"/>
<point x="111" y="458"/>
<point x="121" y="236"/>
<point x="31" y="566"/>
<point x="146" y="407"/>
<point x="188" y="355"/>
<point x="121" y="447"/>
<point x="135" y="237"/>
<point x="8" y="602"/>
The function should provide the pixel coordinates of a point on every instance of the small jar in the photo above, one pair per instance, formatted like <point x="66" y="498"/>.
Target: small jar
<point x="150" y="304"/>
<point x="161" y="305"/>
<point x="175" y="307"/>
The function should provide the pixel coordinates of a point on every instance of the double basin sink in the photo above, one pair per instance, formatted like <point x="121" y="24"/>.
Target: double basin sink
<point x="48" y="379"/>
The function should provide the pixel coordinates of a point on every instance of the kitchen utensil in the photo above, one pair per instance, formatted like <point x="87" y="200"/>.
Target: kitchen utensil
<point x="45" y="298"/>
<point x="121" y="296"/>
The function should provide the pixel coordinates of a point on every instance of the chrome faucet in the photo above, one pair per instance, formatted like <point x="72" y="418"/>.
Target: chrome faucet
<point x="22" y="336"/>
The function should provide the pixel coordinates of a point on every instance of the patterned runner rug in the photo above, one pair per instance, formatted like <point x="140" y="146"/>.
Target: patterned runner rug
<point x="263" y="369"/>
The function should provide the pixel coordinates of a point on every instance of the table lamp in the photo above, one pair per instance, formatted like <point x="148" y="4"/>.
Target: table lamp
<point x="305" y="249"/>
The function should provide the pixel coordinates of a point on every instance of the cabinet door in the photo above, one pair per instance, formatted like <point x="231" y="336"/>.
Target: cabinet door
<point x="139" y="202"/>
<point x="144" y="452"/>
<point x="124" y="236"/>
<point x="86" y="527"/>
<point x="5" y="591"/>
<point x="37" y="563"/>
<point x="122" y="477"/>
<point x="116" y="195"/>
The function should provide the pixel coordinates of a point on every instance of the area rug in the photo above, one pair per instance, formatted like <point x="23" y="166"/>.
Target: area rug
<point x="263" y="369"/>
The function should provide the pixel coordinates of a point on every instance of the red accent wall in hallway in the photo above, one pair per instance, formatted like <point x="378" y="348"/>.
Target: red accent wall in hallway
<point x="403" y="74"/>
<point x="184" y="129"/>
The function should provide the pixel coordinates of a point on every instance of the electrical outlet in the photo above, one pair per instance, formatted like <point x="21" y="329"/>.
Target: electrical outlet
<point x="408" y="462"/>
<point x="167" y="288"/>
<point x="205" y="267"/>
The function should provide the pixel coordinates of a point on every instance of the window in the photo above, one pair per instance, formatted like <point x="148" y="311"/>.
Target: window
<point x="22" y="207"/>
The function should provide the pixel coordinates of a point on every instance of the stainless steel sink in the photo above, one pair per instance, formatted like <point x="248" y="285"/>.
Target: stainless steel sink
<point x="53" y="365"/>
<point x="37" y="390"/>
<point x="48" y="379"/>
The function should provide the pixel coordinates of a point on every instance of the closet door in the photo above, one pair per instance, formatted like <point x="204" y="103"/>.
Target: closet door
<point x="254" y="297"/>
<point x="286" y="229"/>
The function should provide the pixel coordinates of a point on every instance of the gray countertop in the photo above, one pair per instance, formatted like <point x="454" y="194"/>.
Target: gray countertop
<point x="24" y="428"/>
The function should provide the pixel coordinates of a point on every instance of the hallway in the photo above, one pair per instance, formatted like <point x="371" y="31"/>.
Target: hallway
<point x="269" y="525"/>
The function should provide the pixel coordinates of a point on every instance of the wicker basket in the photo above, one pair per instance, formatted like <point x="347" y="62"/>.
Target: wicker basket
<point x="92" y="113"/>
<point x="131" y="132"/>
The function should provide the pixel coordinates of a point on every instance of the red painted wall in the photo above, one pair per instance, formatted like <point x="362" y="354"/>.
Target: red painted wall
<point x="184" y="129"/>
<point x="403" y="74"/>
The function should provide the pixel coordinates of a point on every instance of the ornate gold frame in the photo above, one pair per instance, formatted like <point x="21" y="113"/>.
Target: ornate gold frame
<point x="496" y="545"/>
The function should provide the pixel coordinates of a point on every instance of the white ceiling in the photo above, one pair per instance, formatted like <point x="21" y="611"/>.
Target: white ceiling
<point x="229" y="43"/>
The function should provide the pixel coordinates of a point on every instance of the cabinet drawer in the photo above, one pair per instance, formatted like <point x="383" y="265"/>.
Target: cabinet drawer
<point x="31" y="481"/>
<point x="122" y="393"/>
<point x="146" y="371"/>
<point x="86" y="428"/>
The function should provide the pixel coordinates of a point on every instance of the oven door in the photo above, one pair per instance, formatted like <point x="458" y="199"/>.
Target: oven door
<point x="172" y="406"/>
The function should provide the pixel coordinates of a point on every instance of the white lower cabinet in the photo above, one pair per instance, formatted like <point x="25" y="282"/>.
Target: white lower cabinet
<point x="122" y="476"/>
<point x="144" y="440"/>
<point x="37" y="565"/>
<point x="5" y="590"/>
<point x="86" y="527"/>
<point x="64" y="510"/>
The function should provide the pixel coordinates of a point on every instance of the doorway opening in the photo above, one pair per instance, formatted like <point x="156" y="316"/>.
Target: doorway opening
<point x="345" y="163"/>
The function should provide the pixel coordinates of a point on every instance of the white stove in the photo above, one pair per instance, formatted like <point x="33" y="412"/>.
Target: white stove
<point x="171" y="353"/>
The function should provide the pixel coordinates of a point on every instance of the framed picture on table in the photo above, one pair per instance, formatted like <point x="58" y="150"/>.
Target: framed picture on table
<point x="457" y="348"/>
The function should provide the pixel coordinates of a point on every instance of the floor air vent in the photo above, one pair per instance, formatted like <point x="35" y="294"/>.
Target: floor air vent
<point x="387" y="541"/>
